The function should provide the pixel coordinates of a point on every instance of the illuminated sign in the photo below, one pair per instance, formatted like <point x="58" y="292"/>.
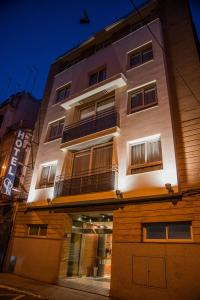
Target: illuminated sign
<point x="13" y="163"/>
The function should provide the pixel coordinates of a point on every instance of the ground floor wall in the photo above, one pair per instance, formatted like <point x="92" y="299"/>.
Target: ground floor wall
<point x="146" y="270"/>
<point x="155" y="270"/>
<point x="36" y="256"/>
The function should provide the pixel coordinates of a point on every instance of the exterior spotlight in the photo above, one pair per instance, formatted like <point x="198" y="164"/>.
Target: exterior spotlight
<point x="119" y="194"/>
<point x="169" y="188"/>
<point x="49" y="201"/>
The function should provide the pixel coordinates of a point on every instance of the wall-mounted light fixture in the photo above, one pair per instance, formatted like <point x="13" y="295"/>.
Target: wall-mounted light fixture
<point x="49" y="201"/>
<point x="169" y="188"/>
<point x="119" y="194"/>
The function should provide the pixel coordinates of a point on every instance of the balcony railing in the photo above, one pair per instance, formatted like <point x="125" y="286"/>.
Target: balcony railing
<point x="100" y="180"/>
<point x="101" y="121"/>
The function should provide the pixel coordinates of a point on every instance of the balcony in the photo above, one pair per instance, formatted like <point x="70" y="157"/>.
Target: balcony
<point x="97" y="181"/>
<point x="106" y="119"/>
<point x="105" y="86"/>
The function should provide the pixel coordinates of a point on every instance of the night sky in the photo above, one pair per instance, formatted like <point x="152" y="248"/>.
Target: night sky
<point x="35" y="32"/>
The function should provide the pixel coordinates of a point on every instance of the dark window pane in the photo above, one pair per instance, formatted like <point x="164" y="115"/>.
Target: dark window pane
<point x="149" y="96"/>
<point x="60" y="128"/>
<point x="43" y="230"/>
<point x="135" y="60"/>
<point x="147" y="55"/>
<point x="179" y="230"/>
<point x="156" y="231"/>
<point x="33" y="229"/>
<point x="102" y="75"/>
<point x="62" y="94"/>
<point x="136" y="100"/>
<point x="67" y="92"/>
<point x="93" y="78"/>
<point x="53" y="131"/>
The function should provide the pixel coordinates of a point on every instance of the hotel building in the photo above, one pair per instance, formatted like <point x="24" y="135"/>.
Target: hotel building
<point x="115" y="189"/>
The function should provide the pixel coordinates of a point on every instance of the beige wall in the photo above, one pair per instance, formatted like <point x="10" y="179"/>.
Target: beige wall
<point x="42" y="258"/>
<point x="156" y="120"/>
<point x="173" y="267"/>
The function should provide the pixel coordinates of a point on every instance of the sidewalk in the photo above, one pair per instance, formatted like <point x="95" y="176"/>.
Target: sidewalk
<point x="49" y="291"/>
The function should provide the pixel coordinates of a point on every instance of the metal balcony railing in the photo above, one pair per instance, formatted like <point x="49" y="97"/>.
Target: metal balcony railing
<point x="101" y="121"/>
<point x="99" y="180"/>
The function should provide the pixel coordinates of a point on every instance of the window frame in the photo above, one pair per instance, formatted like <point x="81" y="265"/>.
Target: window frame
<point x="66" y="87"/>
<point x="143" y="89"/>
<point x="97" y="71"/>
<point x="96" y="104"/>
<point x="90" y="150"/>
<point x="140" y="51"/>
<point x="48" y="184"/>
<point x="167" y="240"/>
<point x="50" y="127"/>
<point x="39" y="227"/>
<point x="144" y="167"/>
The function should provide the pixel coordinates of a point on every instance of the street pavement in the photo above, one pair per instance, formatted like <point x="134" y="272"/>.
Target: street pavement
<point x="8" y="293"/>
<point x="28" y="289"/>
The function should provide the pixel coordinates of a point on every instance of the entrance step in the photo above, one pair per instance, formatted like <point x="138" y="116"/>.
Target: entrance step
<point x="99" y="286"/>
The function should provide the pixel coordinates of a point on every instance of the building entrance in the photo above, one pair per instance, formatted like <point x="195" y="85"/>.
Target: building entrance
<point x="90" y="251"/>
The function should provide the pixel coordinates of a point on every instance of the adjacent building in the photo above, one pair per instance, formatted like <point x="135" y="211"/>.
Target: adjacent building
<point x="115" y="188"/>
<point x="18" y="114"/>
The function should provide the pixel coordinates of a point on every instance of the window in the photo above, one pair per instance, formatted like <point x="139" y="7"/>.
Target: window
<point x="146" y="156"/>
<point x="97" y="76"/>
<point x="47" y="176"/>
<point x="55" y="130"/>
<point x="94" y="160"/>
<point x="37" y="229"/>
<point x="142" y="98"/>
<point x="96" y="108"/>
<point x="62" y="93"/>
<point x="167" y="231"/>
<point x="140" y="56"/>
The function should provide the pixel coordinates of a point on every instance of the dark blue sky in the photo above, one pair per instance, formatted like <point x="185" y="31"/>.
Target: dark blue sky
<point x="34" y="32"/>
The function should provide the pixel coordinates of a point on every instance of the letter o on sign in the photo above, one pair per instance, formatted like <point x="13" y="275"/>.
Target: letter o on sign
<point x="18" y="143"/>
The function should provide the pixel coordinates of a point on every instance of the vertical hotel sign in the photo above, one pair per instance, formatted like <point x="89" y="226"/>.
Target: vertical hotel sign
<point x="13" y="163"/>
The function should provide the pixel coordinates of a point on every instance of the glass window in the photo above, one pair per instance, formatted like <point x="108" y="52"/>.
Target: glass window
<point x="149" y="96"/>
<point x="97" y="76"/>
<point x="167" y="231"/>
<point x="105" y="104"/>
<point x="135" y="60"/>
<point x="147" y="55"/>
<point x="47" y="176"/>
<point x="93" y="160"/>
<point x="136" y="100"/>
<point x="156" y="231"/>
<point x="87" y="112"/>
<point x="142" y="98"/>
<point x="62" y="93"/>
<point x="55" y="130"/>
<point x="43" y="230"/>
<point x="33" y="229"/>
<point x="180" y="230"/>
<point x="140" y="56"/>
<point x="96" y="107"/>
<point x="37" y="229"/>
<point x="146" y="156"/>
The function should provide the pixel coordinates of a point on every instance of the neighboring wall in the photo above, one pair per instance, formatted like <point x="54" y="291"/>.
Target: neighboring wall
<point x="184" y="77"/>
<point x="41" y="257"/>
